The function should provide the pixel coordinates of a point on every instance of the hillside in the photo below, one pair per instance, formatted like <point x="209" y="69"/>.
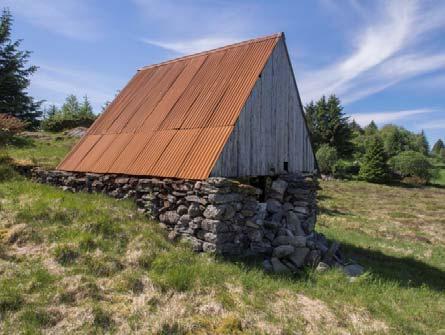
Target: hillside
<point x="88" y="263"/>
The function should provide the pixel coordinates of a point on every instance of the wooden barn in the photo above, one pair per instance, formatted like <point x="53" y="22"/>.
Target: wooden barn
<point x="231" y="112"/>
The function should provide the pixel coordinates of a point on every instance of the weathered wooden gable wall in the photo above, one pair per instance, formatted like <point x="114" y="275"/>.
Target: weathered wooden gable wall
<point x="271" y="129"/>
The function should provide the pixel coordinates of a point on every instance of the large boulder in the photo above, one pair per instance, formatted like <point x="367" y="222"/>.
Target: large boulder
<point x="298" y="256"/>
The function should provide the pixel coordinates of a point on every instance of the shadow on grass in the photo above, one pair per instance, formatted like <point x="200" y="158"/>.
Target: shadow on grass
<point x="330" y="212"/>
<point x="406" y="271"/>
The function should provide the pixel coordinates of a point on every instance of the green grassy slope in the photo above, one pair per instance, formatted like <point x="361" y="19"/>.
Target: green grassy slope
<point x="89" y="263"/>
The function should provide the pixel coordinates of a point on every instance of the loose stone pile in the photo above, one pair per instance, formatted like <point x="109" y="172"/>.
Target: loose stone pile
<point x="224" y="215"/>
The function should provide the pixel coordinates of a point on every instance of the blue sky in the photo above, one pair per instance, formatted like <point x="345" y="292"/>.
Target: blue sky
<point x="384" y="59"/>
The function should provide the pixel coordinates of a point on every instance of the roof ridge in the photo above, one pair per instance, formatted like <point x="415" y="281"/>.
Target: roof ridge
<point x="234" y="45"/>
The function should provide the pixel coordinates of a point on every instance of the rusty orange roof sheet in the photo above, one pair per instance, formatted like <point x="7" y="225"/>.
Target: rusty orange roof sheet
<point x="173" y="118"/>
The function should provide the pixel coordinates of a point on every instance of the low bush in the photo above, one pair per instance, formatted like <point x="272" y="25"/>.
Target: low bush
<point x="326" y="159"/>
<point x="414" y="165"/>
<point x="10" y="126"/>
<point x="346" y="169"/>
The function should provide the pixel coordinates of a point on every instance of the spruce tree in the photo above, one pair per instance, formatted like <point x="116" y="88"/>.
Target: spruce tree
<point x="374" y="167"/>
<point x="371" y="129"/>
<point x="329" y="125"/>
<point x="14" y="77"/>
<point x="86" y="109"/>
<point x="437" y="147"/>
<point x="422" y="143"/>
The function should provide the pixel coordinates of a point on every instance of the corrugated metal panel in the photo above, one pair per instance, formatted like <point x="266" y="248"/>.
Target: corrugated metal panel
<point x="153" y="96"/>
<point x="130" y="152"/>
<point x="117" y="106"/>
<point x="208" y="145"/>
<point x="175" y="153"/>
<point x="79" y="152"/>
<point x="212" y="92"/>
<point x="150" y="154"/>
<point x="173" y="119"/>
<point x="111" y="153"/>
<point x="202" y="79"/>
<point x="158" y="115"/>
<point x="87" y="163"/>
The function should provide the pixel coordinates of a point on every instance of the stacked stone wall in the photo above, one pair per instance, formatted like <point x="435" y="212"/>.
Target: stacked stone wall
<point x="222" y="215"/>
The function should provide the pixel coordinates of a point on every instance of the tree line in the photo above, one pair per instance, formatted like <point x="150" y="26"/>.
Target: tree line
<point x="345" y="149"/>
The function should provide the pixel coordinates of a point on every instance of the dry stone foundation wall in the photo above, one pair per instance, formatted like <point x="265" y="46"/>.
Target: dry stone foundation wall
<point x="223" y="215"/>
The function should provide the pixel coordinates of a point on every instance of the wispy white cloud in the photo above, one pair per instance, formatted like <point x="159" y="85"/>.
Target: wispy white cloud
<point x="364" y="119"/>
<point x="192" y="26"/>
<point x="382" y="53"/>
<point x="70" y="18"/>
<point x="436" y="124"/>
<point x="192" y="45"/>
<point x="54" y="83"/>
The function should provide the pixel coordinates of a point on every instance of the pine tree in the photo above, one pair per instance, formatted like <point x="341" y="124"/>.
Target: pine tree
<point x="374" y="167"/>
<point x="71" y="107"/>
<point x="371" y="129"/>
<point x="14" y="77"/>
<point x="422" y="143"/>
<point x="437" y="147"/>
<point x="85" y="109"/>
<point x="329" y="125"/>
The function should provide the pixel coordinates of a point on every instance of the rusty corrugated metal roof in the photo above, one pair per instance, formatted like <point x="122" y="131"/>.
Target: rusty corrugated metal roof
<point x="172" y="119"/>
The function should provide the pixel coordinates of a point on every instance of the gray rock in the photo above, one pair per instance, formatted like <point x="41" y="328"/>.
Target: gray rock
<point x="353" y="270"/>
<point x="218" y="198"/>
<point x="273" y="205"/>
<point x="210" y="237"/>
<point x="214" y="212"/>
<point x="229" y="212"/>
<point x="208" y="247"/>
<point x="322" y="267"/>
<point x="181" y="210"/>
<point x="194" y="210"/>
<point x="283" y="251"/>
<point x="299" y="241"/>
<point x="298" y="256"/>
<point x="278" y="266"/>
<point x="173" y="235"/>
<point x="267" y="265"/>
<point x="287" y="206"/>
<point x="192" y="198"/>
<point x="184" y="220"/>
<point x="215" y="226"/>
<point x="169" y="217"/>
<point x="282" y="240"/>
<point x="292" y="218"/>
<point x="278" y="188"/>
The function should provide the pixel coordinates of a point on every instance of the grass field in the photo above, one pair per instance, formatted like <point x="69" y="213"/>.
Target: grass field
<point x="86" y="263"/>
<point x="440" y="178"/>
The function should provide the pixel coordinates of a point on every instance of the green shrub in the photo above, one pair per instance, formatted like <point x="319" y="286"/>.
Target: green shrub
<point x="374" y="168"/>
<point x="345" y="169"/>
<point x="326" y="158"/>
<point x="71" y="115"/>
<point x="412" y="164"/>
